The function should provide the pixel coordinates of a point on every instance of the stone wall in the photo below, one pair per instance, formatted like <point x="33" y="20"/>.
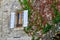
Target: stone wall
<point x="6" y="7"/>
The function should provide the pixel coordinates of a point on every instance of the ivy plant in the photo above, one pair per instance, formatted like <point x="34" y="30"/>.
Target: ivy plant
<point x="27" y="6"/>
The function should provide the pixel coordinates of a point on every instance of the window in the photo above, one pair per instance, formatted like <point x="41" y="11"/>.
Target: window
<point x="19" y="19"/>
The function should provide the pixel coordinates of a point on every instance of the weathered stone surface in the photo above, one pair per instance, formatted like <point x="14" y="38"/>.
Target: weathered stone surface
<point x="18" y="35"/>
<point x="6" y="7"/>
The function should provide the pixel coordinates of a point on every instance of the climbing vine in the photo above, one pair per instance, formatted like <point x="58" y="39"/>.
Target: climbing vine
<point x="38" y="23"/>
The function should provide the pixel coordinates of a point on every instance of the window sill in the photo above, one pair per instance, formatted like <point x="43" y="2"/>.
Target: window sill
<point x="19" y="28"/>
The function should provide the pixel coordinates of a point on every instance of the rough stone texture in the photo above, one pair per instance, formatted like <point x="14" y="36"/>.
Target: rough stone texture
<point x="6" y="7"/>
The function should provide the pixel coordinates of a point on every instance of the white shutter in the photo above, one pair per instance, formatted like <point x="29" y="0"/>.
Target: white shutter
<point x="25" y="18"/>
<point x="12" y="20"/>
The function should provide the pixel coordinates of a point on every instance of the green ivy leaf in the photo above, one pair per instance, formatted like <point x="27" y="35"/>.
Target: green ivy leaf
<point x="54" y="9"/>
<point x="27" y="29"/>
<point x="46" y="29"/>
<point x="56" y="19"/>
<point x="33" y="38"/>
